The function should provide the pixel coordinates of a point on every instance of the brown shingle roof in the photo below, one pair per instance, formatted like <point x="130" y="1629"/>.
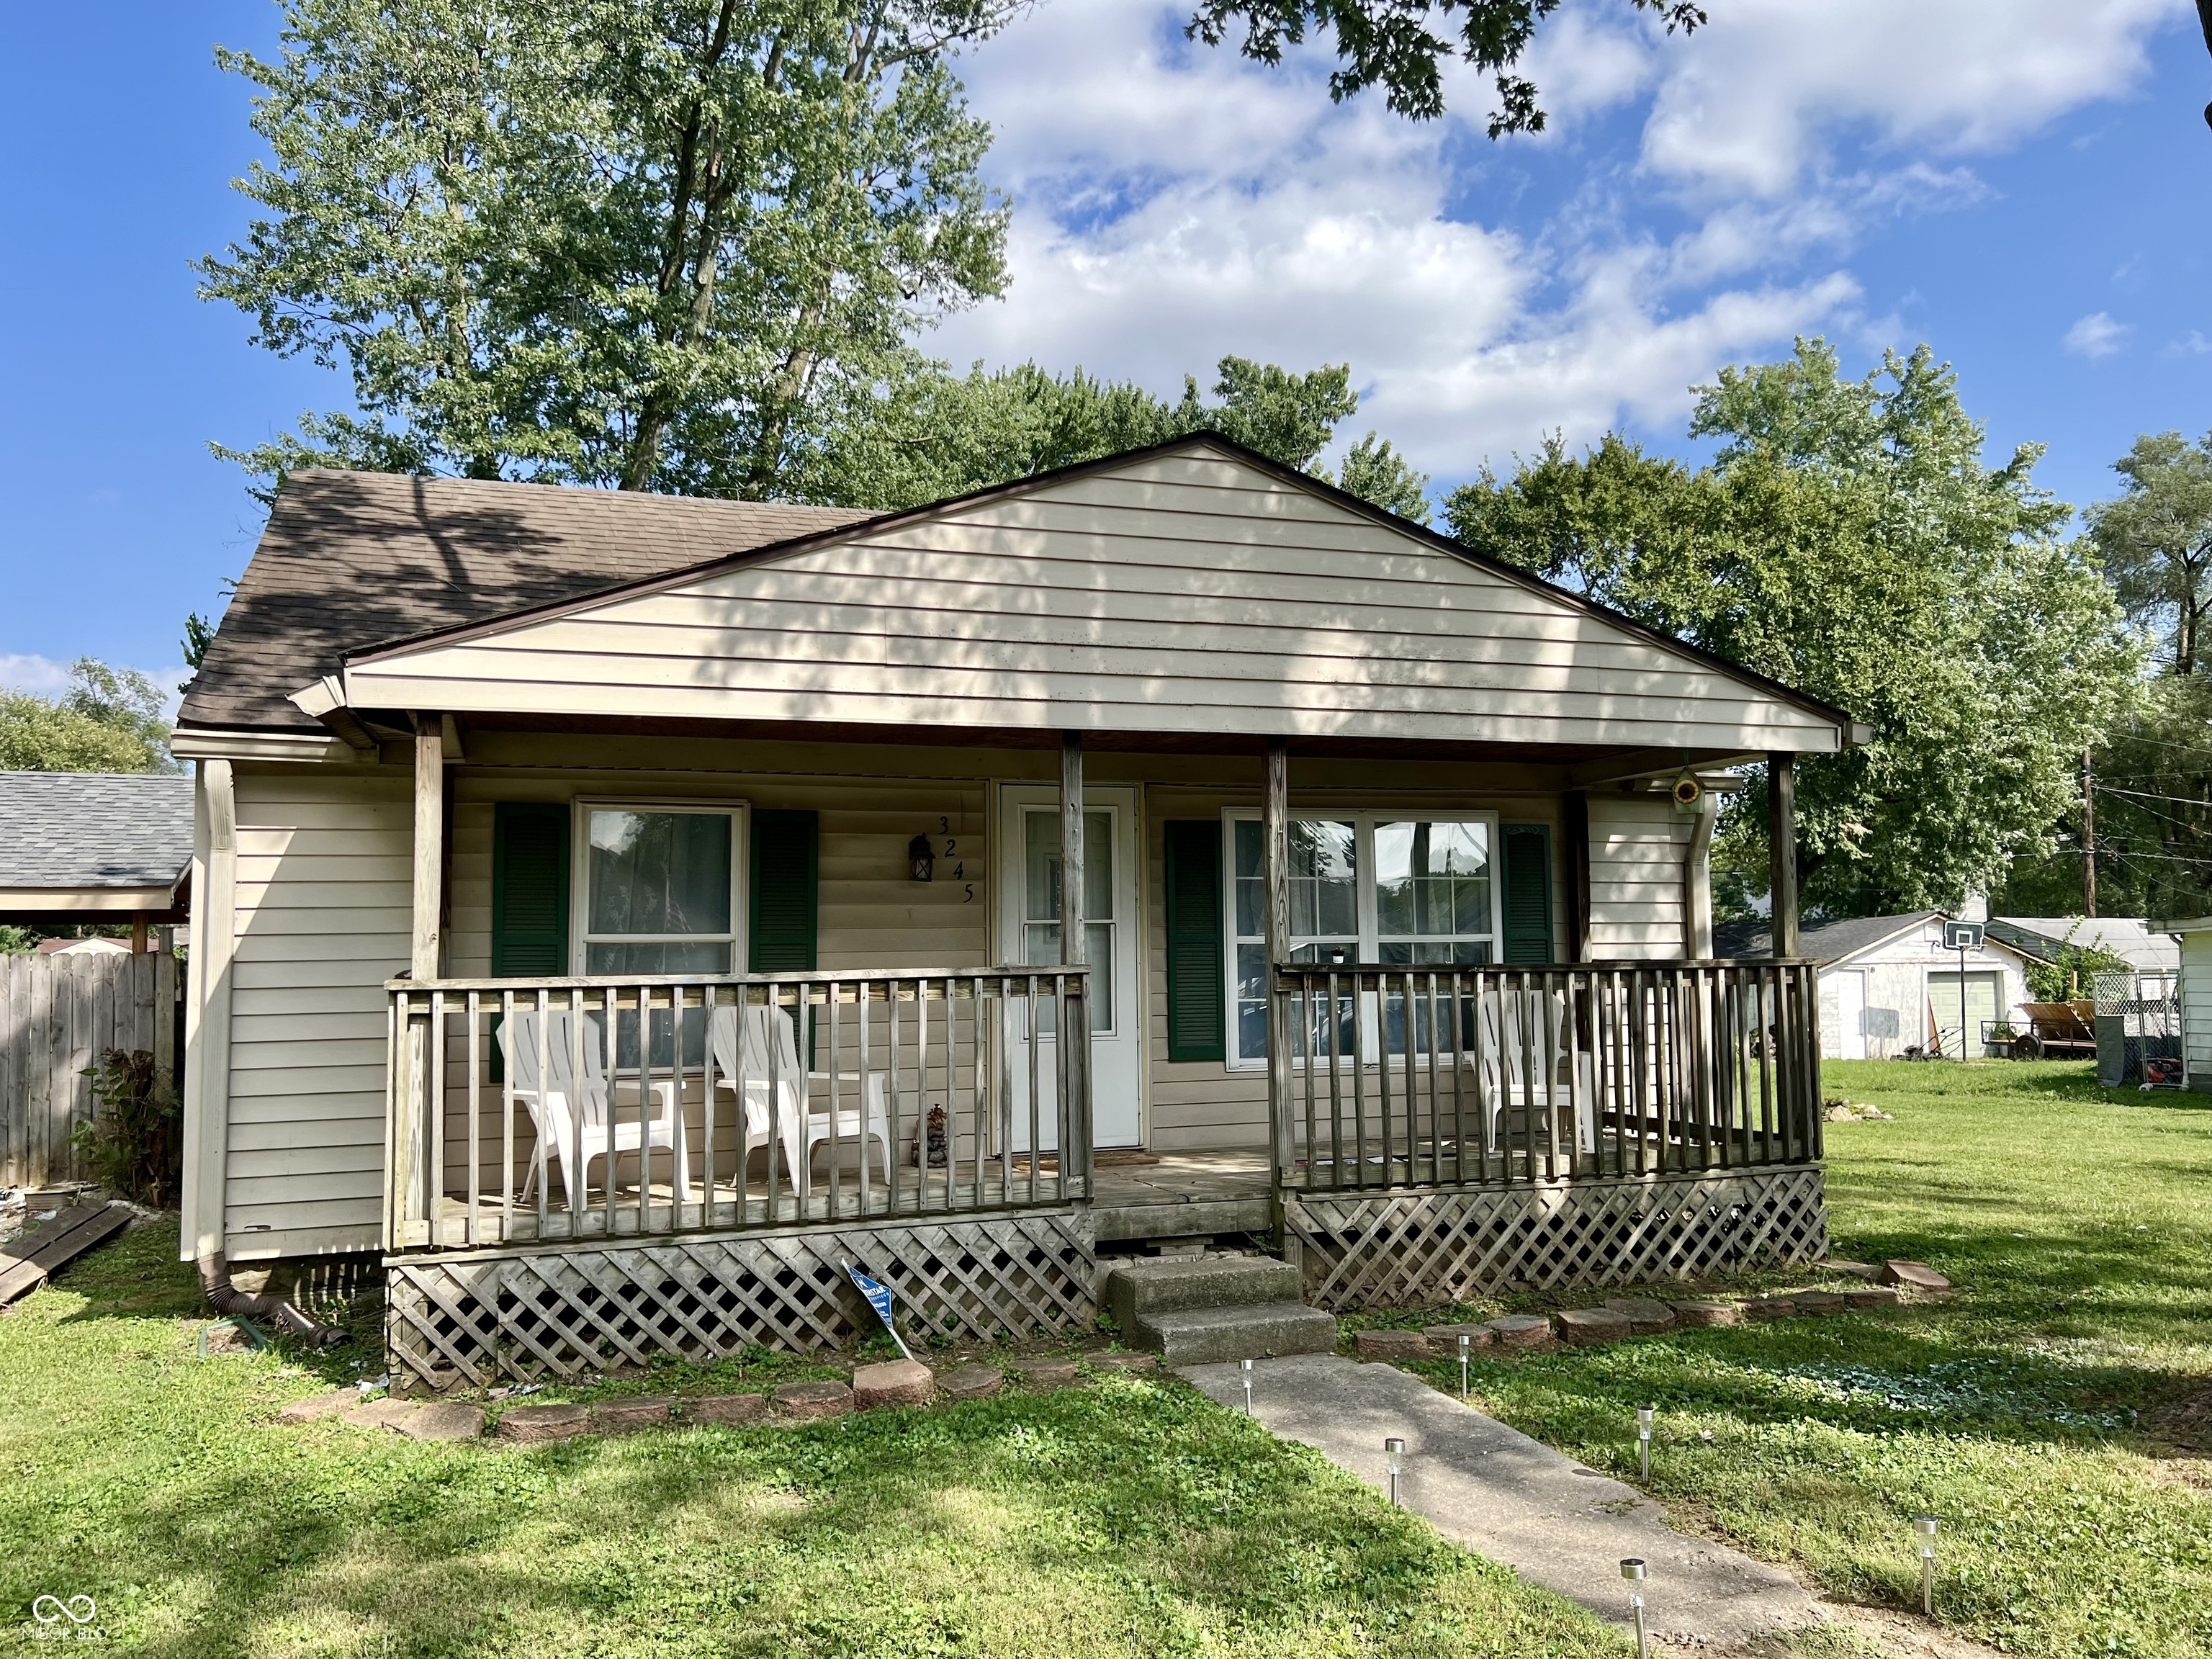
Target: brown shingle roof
<point x="351" y="560"/>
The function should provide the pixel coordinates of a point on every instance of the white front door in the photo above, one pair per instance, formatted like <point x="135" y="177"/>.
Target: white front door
<point x="1029" y="924"/>
<point x="1850" y="1013"/>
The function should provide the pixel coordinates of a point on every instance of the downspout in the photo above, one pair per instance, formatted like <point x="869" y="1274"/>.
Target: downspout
<point x="1698" y="881"/>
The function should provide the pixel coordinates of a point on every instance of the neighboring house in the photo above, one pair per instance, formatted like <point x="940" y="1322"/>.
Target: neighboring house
<point x="2192" y="940"/>
<point x="95" y="848"/>
<point x="2144" y="945"/>
<point x="99" y="946"/>
<point x="1887" y="982"/>
<point x="544" y="834"/>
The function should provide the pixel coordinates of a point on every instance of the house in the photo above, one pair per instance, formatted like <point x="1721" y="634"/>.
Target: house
<point x="97" y="847"/>
<point x="2192" y="940"/>
<point x="617" y="912"/>
<point x="1888" y="984"/>
<point x="2142" y="944"/>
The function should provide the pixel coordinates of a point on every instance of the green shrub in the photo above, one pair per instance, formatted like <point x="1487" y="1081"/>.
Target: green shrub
<point x="135" y="1146"/>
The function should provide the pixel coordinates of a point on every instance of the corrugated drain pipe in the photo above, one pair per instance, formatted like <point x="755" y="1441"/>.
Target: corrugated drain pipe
<point x="232" y="1303"/>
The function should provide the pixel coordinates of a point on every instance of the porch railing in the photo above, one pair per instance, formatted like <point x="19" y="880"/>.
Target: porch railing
<point x="527" y="1111"/>
<point x="1390" y="1075"/>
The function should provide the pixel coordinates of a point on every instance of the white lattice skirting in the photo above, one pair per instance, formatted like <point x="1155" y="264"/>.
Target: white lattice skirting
<point x="1417" y="1248"/>
<point x="451" y="1320"/>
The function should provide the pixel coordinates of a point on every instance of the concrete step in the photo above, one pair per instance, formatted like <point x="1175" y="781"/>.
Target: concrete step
<point x="1205" y="1336"/>
<point x="1138" y="1290"/>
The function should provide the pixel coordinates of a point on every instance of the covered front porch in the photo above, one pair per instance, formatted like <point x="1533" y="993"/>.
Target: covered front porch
<point x="691" y="1160"/>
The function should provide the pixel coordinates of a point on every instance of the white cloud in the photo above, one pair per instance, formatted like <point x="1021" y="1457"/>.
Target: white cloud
<point x="2096" y="335"/>
<point x="30" y="673"/>
<point x="2192" y="344"/>
<point x="1754" y="101"/>
<point x="1174" y="203"/>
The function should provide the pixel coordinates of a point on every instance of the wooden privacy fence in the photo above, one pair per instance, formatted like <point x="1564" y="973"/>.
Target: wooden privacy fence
<point x="59" y="1014"/>
<point x="1387" y="1076"/>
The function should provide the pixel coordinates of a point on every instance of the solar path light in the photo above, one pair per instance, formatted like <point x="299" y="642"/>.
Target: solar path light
<point x="1247" y="1388"/>
<point x="1466" y="1346"/>
<point x="1395" y="1449"/>
<point x="1632" y="1570"/>
<point x="1925" y="1526"/>
<point x="1644" y="1414"/>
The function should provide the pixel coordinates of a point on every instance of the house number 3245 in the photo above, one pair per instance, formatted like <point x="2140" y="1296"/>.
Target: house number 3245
<point x="952" y="857"/>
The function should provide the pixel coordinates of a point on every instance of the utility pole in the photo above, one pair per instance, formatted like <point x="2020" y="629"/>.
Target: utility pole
<point x="2089" y="838"/>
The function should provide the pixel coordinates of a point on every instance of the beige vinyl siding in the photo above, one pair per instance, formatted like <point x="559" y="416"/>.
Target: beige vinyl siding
<point x="1639" y="845"/>
<point x="324" y="891"/>
<point x="1188" y="592"/>
<point x="2197" y="1007"/>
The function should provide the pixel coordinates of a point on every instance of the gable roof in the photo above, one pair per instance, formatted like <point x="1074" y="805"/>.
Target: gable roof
<point x="350" y="560"/>
<point x="1191" y="585"/>
<point x="2132" y="939"/>
<point x="1832" y="942"/>
<point x="74" y="830"/>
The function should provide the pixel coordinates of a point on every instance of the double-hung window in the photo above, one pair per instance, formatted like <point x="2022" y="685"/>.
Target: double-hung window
<point x="659" y="885"/>
<point x="1391" y="887"/>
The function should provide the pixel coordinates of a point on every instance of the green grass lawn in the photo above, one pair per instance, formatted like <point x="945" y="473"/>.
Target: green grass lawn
<point x="1128" y="1516"/>
<point x="2035" y="1412"/>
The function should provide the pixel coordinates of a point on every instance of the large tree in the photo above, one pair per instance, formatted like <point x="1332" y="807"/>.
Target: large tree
<point x="629" y="242"/>
<point x="931" y="434"/>
<point x="2150" y="780"/>
<point x="2156" y="538"/>
<point x="108" y="720"/>
<point x="1848" y="539"/>
<point x="1402" y="45"/>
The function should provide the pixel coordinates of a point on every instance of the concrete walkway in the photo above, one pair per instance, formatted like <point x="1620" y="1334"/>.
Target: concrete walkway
<point x="1517" y="1501"/>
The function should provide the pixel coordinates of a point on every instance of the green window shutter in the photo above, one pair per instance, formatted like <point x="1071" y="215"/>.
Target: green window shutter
<point x="529" y="887"/>
<point x="787" y="875"/>
<point x="1527" y="904"/>
<point x="1196" y="1028"/>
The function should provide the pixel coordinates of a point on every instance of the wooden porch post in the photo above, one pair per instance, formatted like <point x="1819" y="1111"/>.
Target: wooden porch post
<point x="1782" y="849"/>
<point x="430" y="842"/>
<point x="1275" y="832"/>
<point x="1076" y="1026"/>
<point x="411" y="1164"/>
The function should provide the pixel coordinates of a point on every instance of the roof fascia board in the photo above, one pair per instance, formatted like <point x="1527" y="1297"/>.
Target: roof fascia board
<point x="89" y="900"/>
<point x="230" y="742"/>
<point x="1849" y="731"/>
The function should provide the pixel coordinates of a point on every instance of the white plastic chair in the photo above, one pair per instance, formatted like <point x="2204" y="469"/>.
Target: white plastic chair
<point x="762" y="1049"/>
<point x="1512" y="1044"/>
<point x="551" y="1099"/>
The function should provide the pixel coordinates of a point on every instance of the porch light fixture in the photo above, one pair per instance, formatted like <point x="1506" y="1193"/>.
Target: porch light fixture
<point x="1247" y="1388"/>
<point x="1925" y="1526"/>
<point x="1643" y="1416"/>
<point x="922" y="858"/>
<point x="1395" y="1449"/>
<point x="1632" y="1570"/>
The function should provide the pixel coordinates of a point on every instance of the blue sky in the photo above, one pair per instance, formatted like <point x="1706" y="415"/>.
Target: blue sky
<point x="2025" y="185"/>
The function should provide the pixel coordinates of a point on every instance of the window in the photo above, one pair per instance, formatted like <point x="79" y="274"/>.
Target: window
<point x="1364" y="887"/>
<point x="1041" y="887"/>
<point x="660" y="889"/>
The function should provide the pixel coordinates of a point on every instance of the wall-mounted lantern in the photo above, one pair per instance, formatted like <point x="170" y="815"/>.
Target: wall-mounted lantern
<point x="922" y="859"/>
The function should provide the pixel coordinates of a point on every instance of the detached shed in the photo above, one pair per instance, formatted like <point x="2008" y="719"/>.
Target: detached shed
<point x="1887" y="982"/>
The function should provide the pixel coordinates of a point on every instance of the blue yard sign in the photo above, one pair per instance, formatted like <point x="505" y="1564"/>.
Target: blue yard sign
<point x="879" y="1298"/>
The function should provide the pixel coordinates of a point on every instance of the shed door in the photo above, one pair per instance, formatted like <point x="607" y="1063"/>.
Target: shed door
<point x="1850" y="1013"/>
<point x="1983" y="992"/>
